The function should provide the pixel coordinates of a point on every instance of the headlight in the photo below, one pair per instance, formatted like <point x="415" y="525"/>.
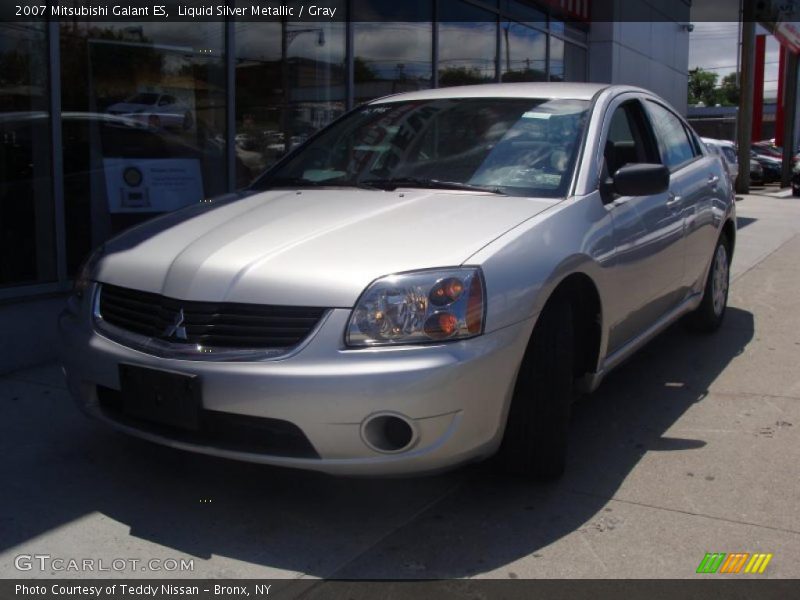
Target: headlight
<point x="84" y="276"/>
<point x="413" y="308"/>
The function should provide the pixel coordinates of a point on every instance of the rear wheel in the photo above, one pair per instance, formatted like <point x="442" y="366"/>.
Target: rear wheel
<point x="708" y="316"/>
<point x="535" y="439"/>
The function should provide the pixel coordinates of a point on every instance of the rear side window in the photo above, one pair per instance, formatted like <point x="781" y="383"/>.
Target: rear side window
<point x="673" y="142"/>
<point x="729" y="154"/>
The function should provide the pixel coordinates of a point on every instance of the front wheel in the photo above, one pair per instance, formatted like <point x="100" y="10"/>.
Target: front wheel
<point x="707" y="317"/>
<point x="535" y="439"/>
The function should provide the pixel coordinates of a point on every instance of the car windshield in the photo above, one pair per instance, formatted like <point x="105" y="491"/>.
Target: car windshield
<point x="515" y="146"/>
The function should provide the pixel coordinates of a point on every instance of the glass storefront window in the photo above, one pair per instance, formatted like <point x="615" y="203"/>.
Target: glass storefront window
<point x="27" y="230"/>
<point x="144" y="132"/>
<point x="523" y="12"/>
<point x="290" y="82"/>
<point x="467" y="44"/>
<point x="556" y="59"/>
<point x="523" y="53"/>
<point x="575" y="31"/>
<point x="144" y="104"/>
<point x="574" y="63"/>
<point x="556" y="26"/>
<point x="391" y="56"/>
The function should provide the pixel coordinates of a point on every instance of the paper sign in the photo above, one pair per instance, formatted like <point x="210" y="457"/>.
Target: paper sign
<point x="152" y="185"/>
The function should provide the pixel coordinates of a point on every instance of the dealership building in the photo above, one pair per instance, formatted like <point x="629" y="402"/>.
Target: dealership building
<point x="106" y="124"/>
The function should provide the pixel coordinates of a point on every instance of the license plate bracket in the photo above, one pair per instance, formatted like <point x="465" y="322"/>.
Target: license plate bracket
<point x="160" y="396"/>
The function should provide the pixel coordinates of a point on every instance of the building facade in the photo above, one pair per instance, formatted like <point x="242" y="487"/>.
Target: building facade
<point x="104" y="125"/>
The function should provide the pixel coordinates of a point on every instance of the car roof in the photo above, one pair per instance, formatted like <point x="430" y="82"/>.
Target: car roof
<point x="566" y="91"/>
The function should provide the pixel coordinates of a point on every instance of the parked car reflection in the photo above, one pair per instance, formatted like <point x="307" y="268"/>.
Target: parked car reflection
<point x="156" y="110"/>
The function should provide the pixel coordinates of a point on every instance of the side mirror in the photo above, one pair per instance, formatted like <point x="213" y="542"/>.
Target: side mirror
<point x="642" y="179"/>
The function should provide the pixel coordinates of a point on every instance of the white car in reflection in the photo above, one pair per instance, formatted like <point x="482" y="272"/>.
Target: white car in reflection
<point x="156" y="110"/>
<point x="424" y="283"/>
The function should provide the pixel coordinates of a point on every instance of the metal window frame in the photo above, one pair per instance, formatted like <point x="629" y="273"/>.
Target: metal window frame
<point x="230" y="99"/>
<point x="62" y="283"/>
<point x="57" y="150"/>
<point x="349" y="58"/>
<point x="435" y="45"/>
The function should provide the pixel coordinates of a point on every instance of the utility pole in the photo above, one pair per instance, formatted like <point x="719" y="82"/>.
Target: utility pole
<point x="744" y="122"/>
<point x="789" y="116"/>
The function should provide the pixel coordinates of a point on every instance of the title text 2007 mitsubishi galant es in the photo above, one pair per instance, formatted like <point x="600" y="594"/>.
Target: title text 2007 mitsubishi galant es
<point x="426" y="282"/>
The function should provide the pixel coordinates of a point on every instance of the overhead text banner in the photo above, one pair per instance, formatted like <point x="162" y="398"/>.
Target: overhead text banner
<point x="575" y="11"/>
<point x="280" y="589"/>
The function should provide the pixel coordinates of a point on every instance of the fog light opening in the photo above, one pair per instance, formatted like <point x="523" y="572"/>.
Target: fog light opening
<point x="388" y="433"/>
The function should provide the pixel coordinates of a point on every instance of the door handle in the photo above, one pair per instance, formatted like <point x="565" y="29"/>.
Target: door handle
<point x="673" y="200"/>
<point x="713" y="180"/>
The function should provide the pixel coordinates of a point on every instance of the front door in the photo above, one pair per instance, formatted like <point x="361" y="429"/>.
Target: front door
<point x="648" y="233"/>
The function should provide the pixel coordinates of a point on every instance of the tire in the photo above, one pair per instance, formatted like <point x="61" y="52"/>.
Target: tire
<point x="708" y="317"/>
<point x="796" y="192"/>
<point x="535" y="440"/>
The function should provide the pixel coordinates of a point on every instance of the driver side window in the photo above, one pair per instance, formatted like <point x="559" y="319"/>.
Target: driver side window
<point x="628" y="140"/>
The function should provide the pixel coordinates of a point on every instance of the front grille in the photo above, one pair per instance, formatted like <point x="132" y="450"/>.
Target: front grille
<point x="226" y="431"/>
<point x="206" y="324"/>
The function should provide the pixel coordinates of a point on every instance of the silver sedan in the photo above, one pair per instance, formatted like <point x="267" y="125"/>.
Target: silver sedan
<point x="428" y="281"/>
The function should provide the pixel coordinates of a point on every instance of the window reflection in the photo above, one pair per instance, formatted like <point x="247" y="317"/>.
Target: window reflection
<point x="556" y="59"/>
<point x="574" y="63"/>
<point x="524" y="52"/>
<point x="290" y="82"/>
<point x="391" y="58"/>
<point x="27" y="252"/>
<point x="392" y="47"/>
<point x="523" y="12"/>
<point x="145" y="133"/>
<point x="467" y="49"/>
<point x="557" y="27"/>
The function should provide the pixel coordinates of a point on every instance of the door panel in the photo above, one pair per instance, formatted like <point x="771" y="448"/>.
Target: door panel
<point x="649" y="262"/>
<point x="710" y="186"/>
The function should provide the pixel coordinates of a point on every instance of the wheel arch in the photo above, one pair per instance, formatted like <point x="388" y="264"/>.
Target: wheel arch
<point x="729" y="230"/>
<point x="581" y="291"/>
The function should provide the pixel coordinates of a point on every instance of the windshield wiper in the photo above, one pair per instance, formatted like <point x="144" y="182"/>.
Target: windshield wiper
<point x="396" y="182"/>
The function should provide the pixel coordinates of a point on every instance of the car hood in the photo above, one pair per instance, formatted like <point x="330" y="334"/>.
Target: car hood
<point x="309" y="247"/>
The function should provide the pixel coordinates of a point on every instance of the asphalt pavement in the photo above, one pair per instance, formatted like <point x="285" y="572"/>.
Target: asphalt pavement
<point x="691" y="447"/>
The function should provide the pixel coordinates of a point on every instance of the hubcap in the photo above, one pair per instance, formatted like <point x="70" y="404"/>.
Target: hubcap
<point x="719" y="282"/>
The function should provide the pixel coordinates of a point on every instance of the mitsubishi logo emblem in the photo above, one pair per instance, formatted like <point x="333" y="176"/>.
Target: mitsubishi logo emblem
<point x="176" y="329"/>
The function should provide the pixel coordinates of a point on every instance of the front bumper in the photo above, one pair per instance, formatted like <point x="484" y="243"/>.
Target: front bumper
<point x="455" y="396"/>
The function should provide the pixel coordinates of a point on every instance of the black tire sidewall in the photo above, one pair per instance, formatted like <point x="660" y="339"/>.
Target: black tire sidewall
<point x="535" y="440"/>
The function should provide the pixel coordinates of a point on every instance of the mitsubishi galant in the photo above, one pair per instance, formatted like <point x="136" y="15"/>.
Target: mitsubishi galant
<point x="428" y="281"/>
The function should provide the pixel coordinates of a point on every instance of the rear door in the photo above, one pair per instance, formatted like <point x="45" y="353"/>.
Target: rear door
<point x="697" y="184"/>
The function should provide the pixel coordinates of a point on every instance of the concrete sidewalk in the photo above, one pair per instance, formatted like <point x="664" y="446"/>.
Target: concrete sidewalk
<point x="691" y="447"/>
